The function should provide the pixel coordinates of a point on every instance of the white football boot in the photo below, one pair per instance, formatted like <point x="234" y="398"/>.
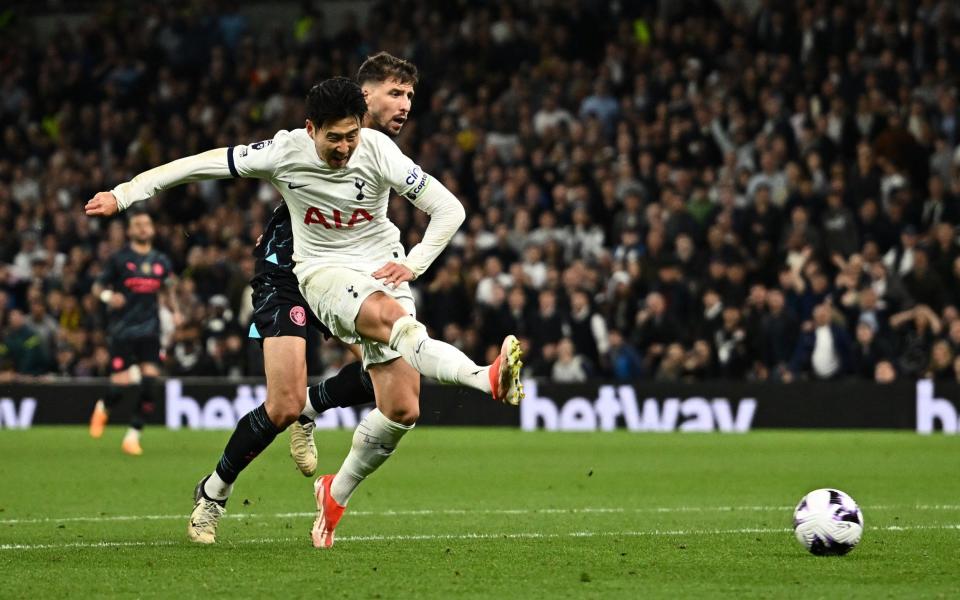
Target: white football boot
<point x="303" y="448"/>
<point x="205" y="516"/>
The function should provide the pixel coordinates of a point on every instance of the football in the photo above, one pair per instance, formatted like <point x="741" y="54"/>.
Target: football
<point x="828" y="522"/>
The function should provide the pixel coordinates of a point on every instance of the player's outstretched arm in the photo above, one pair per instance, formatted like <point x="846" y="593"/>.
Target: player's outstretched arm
<point x="212" y="164"/>
<point x="103" y="204"/>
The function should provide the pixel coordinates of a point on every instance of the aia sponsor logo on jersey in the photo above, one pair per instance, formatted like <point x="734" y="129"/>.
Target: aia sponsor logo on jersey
<point x="298" y="316"/>
<point x="335" y="221"/>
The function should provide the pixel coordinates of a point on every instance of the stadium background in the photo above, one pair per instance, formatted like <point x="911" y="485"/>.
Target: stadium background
<point x="650" y="180"/>
<point x="691" y="191"/>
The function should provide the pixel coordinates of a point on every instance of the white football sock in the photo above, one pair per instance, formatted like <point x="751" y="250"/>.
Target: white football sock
<point x="435" y="359"/>
<point x="132" y="434"/>
<point x="374" y="440"/>
<point x="308" y="410"/>
<point x="216" y="488"/>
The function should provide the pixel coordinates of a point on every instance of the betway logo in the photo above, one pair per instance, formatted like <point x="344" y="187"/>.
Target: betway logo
<point x="619" y="403"/>
<point x="220" y="412"/>
<point x="12" y="418"/>
<point x="930" y="410"/>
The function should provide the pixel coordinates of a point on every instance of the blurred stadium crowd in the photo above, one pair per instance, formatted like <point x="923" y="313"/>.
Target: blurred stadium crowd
<point x="664" y="194"/>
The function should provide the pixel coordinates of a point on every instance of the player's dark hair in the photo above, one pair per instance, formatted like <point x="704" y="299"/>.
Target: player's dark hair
<point x="335" y="99"/>
<point x="135" y="212"/>
<point x="383" y="66"/>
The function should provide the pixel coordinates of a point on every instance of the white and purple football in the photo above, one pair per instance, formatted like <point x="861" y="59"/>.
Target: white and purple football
<point x="828" y="522"/>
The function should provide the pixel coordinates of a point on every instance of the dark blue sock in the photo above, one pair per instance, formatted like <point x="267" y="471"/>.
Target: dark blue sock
<point x="351" y="386"/>
<point x="253" y="434"/>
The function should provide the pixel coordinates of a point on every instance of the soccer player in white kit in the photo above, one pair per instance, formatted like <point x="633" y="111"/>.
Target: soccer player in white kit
<point x="335" y="178"/>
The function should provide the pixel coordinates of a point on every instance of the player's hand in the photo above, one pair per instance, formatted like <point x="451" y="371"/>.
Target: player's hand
<point x="117" y="301"/>
<point x="178" y="319"/>
<point x="104" y="204"/>
<point x="393" y="274"/>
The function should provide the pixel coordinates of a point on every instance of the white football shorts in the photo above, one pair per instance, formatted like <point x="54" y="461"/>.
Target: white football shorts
<point x="335" y="294"/>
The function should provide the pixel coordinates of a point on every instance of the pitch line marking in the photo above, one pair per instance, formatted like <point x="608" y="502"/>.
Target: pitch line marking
<point x="463" y="537"/>
<point x="458" y="511"/>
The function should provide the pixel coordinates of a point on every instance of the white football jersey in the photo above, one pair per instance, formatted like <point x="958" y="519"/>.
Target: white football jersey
<point x="339" y="216"/>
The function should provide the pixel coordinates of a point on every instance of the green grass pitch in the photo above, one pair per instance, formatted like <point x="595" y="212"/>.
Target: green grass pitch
<point x="485" y="513"/>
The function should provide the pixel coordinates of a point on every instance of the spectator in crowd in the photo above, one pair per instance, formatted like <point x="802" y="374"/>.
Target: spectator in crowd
<point x="45" y="326"/>
<point x="23" y="346"/>
<point x="761" y="220"/>
<point x="885" y="372"/>
<point x="868" y="350"/>
<point x="939" y="207"/>
<point x="587" y="329"/>
<point x="953" y="336"/>
<point x="569" y="366"/>
<point x="533" y="266"/>
<point x="900" y="258"/>
<point x="189" y="353"/>
<point x="445" y="299"/>
<point x="943" y="252"/>
<point x="541" y="365"/>
<point x="551" y="118"/>
<point x="624" y="362"/>
<point x="699" y="364"/>
<point x="941" y="362"/>
<point x="711" y="317"/>
<point x="546" y="324"/>
<point x="656" y="329"/>
<point x="840" y="229"/>
<point x="730" y="341"/>
<point x="823" y="350"/>
<point x="923" y="284"/>
<point x="601" y="105"/>
<point x="671" y="367"/>
<point x="917" y="329"/>
<point x="779" y="330"/>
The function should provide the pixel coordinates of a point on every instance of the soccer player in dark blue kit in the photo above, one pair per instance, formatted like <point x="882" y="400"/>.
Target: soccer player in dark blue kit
<point x="130" y="285"/>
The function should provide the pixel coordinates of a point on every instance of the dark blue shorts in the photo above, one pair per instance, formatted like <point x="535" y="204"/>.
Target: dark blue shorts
<point x="125" y="353"/>
<point x="280" y="310"/>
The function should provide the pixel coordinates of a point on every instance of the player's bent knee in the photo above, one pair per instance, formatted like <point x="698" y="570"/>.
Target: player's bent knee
<point x="405" y="415"/>
<point x="390" y="311"/>
<point x="377" y="315"/>
<point x="282" y="417"/>
<point x="284" y="405"/>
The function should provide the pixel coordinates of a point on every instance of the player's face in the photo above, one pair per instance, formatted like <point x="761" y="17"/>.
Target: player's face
<point x="388" y="105"/>
<point x="140" y="229"/>
<point x="336" y="141"/>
